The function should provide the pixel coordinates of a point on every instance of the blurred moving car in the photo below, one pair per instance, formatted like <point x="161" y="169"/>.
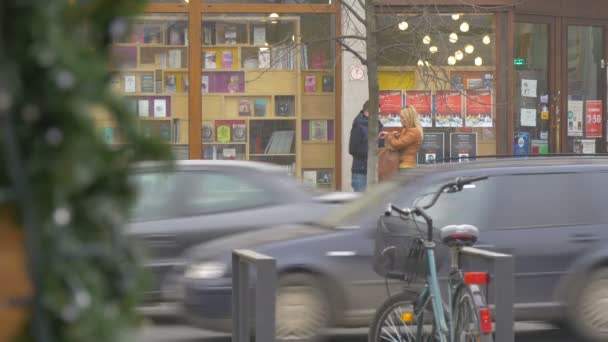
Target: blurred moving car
<point x="202" y="200"/>
<point x="550" y="213"/>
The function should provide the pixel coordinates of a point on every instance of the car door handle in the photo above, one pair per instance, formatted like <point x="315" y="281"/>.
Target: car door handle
<point x="583" y="238"/>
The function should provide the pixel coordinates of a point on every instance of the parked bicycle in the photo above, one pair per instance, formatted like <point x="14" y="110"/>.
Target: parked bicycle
<point x="424" y="316"/>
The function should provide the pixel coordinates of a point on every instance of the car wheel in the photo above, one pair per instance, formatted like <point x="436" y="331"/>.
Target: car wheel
<point x="302" y="309"/>
<point x="588" y="314"/>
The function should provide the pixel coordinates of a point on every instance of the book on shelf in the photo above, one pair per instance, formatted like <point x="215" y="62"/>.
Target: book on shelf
<point x="115" y="83"/>
<point x="176" y="130"/>
<point x="175" y="58"/>
<point x="210" y="152"/>
<point x="208" y="33"/>
<point x="185" y="83"/>
<point x="164" y="131"/>
<point x="210" y="60"/>
<point x="108" y="135"/>
<point x="230" y="35"/>
<point x="239" y="132"/>
<point x="223" y="130"/>
<point x="310" y="84"/>
<point x="309" y="178"/>
<point x="304" y="58"/>
<point x="264" y="58"/>
<point x="284" y="106"/>
<point x="318" y="59"/>
<point x="170" y="83"/>
<point x="147" y="83"/>
<point x="205" y="84"/>
<point x="143" y="107"/>
<point x="251" y="63"/>
<point x="280" y="142"/>
<point x="227" y="60"/>
<point x="282" y="56"/>
<point x="324" y="177"/>
<point x="158" y="80"/>
<point x="177" y="35"/>
<point x="259" y="107"/>
<point x="318" y="130"/>
<point x="132" y="105"/>
<point x="259" y="35"/>
<point x="152" y="34"/>
<point x="137" y="34"/>
<point x="207" y="132"/>
<point x="160" y="108"/>
<point x="160" y="60"/>
<point x="130" y="84"/>
<point x="244" y="107"/>
<point x="229" y="153"/>
<point x="327" y="83"/>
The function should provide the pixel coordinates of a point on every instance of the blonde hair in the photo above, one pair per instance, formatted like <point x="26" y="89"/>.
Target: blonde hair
<point x="410" y="118"/>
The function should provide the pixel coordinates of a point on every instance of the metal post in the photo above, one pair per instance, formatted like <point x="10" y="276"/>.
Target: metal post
<point x="504" y="298"/>
<point x="265" y="293"/>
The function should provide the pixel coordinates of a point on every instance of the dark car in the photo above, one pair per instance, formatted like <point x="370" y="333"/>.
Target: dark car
<point x="202" y="200"/>
<point x="550" y="213"/>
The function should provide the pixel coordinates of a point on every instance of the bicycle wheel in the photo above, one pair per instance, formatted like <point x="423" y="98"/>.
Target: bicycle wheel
<point x="392" y="324"/>
<point x="467" y="303"/>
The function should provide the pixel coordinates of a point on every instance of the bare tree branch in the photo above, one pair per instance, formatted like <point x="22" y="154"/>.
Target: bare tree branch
<point x="354" y="13"/>
<point x="348" y="48"/>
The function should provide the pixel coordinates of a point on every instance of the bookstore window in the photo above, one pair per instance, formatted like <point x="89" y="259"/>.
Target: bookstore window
<point x="269" y="2"/>
<point x="150" y="71"/>
<point x="268" y="92"/>
<point x="443" y="65"/>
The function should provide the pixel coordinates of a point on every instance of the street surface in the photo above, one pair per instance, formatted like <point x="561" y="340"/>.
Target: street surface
<point x="526" y="332"/>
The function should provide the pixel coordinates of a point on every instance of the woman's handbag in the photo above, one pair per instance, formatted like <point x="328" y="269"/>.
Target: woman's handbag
<point x="388" y="163"/>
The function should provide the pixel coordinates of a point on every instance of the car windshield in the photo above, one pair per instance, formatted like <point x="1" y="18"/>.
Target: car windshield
<point x="372" y="203"/>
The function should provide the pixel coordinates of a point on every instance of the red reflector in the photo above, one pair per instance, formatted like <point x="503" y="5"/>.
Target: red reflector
<point x="476" y="278"/>
<point x="485" y="320"/>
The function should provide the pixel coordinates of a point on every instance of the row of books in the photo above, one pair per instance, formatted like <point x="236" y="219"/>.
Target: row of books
<point x="153" y="83"/>
<point x="214" y="152"/>
<point x="158" y="107"/>
<point x="284" y="106"/>
<point x="318" y="58"/>
<point x="210" y="61"/>
<point x="165" y="130"/>
<point x="171" y="59"/>
<point x="175" y="33"/>
<point x="310" y="83"/>
<point x="226" y="33"/>
<point x="225" y="131"/>
<point x="280" y="142"/>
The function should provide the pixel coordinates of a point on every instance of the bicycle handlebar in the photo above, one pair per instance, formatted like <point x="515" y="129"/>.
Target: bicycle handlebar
<point x="455" y="186"/>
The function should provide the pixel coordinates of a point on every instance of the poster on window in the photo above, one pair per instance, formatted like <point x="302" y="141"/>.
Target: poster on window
<point x="432" y="148"/>
<point x="463" y="146"/>
<point x="422" y="100"/>
<point x="593" y="112"/>
<point x="521" y="143"/>
<point x="575" y="118"/>
<point x="448" y="109"/>
<point x="478" y="108"/>
<point x="471" y="80"/>
<point x="391" y="102"/>
<point x="584" y="146"/>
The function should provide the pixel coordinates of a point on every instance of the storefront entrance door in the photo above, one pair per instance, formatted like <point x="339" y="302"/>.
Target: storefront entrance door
<point x="535" y="106"/>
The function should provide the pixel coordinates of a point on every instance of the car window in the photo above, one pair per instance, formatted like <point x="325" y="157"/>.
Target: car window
<point x="542" y="200"/>
<point x="469" y="206"/>
<point x="210" y="192"/>
<point x="155" y="192"/>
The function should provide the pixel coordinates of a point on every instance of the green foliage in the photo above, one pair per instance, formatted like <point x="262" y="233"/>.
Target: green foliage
<point x="54" y="59"/>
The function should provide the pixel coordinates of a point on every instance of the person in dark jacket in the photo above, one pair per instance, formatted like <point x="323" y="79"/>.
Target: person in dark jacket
<point x="357" y="147"/>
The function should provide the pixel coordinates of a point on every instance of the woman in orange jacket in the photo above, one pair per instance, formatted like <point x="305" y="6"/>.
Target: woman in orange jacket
<point x="408" y="140"/>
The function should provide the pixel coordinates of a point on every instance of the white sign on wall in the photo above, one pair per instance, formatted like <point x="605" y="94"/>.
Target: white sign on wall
<point x="358" y="72"/>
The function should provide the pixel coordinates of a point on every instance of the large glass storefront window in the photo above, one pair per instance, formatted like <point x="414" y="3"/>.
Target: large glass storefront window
<point x="151" y="72"/>
<point x="268" y="92"/>
<point x="443" y="65"/>
<point x="585" y="104"/>
<point x="532" y="120"/>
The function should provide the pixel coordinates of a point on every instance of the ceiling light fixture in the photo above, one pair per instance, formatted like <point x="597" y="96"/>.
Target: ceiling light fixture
<point x="469" y="49"/>
<point x="453" y="37"/>
<point x="433" y="49"/>
<point x="486" y="39"/>
<point x="451" y="60"/>
<point x="426" y="40"/>
<point x="456" y="16"/>
<point x="464" y="27"/>
<point x="478" y="61"/>
<point x="459" y="55"/>
<point x="403" y="25"/>
<point x="420" y="62"/>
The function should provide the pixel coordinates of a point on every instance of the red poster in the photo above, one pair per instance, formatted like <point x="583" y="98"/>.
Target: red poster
<point x="422" y="100"/>
<point x="448" y="109"/>
<point x="391" y="102"/>
<point x="594" y="119"/>
<point x="478" y="108"/>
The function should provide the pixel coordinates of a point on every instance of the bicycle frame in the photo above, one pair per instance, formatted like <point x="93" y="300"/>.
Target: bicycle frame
<point x="442" y="315"/>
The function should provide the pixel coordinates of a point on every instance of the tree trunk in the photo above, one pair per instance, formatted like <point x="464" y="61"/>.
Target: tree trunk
<point x="372" y="81"/>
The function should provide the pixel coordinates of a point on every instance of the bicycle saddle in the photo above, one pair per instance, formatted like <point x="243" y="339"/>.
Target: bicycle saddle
<point x="459" y="236"/>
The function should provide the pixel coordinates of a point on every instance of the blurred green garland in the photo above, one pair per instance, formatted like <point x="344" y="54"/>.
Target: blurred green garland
<point x="71" y="188"/>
